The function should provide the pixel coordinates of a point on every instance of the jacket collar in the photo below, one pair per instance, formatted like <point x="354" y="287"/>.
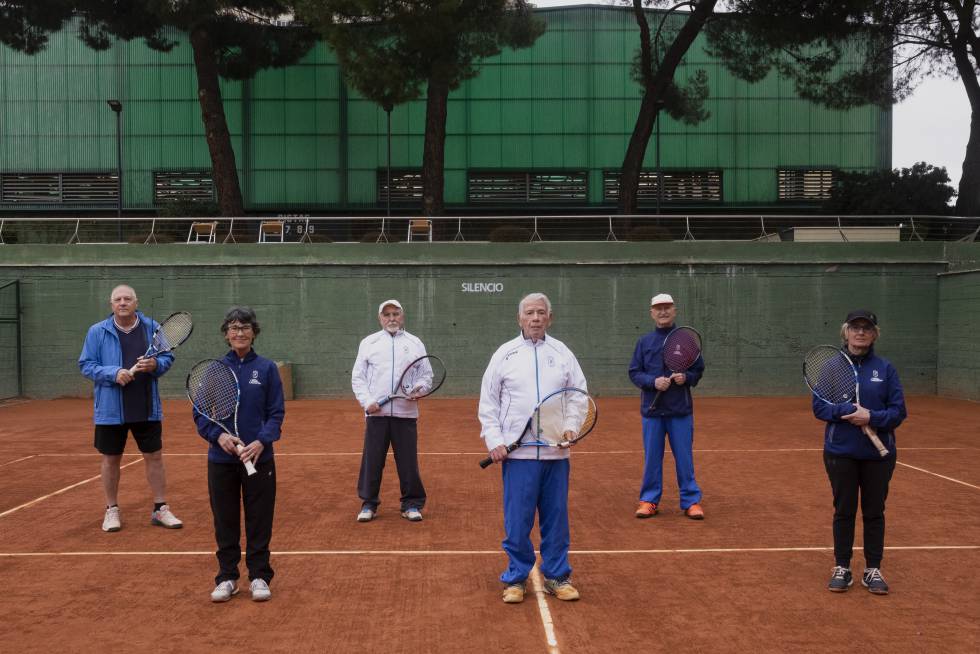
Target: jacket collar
<point x="231" y="357"/>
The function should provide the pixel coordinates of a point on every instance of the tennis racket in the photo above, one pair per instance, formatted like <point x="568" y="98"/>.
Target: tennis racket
<point x="682" y="347"/>
<point x="422" y="377"/>
<point x="212" y="388"/>
<point x="831" y="375"/>
<point x="170" y="334"/>
<point x="561" y="420"/>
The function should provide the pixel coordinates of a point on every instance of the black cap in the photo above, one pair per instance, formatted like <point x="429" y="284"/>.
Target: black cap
<point x="862" y="314"/>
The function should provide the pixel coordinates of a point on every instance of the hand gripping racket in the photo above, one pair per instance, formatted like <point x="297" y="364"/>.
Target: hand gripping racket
<point x="212" y="388"/>
<point x="422" y="377"/>
<point x="170" y="334"/>
<point x="561" y="420"/>
<point x="682" y="347"/>
<point x="832" y="377"/>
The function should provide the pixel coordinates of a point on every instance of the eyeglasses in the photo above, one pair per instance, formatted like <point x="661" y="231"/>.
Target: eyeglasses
<point x="240" y="329"/>
<point x="666" y="309"/>
<point x="861" y="328"/>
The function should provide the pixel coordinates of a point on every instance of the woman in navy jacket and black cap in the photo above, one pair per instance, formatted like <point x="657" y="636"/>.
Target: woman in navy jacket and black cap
<point x="854" y="466"/>
<point x="261" y="410"/>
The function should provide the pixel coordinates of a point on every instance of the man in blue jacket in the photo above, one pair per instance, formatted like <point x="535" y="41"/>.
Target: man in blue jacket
<point x="672" y="417"/>
<point x="127" y="401"/>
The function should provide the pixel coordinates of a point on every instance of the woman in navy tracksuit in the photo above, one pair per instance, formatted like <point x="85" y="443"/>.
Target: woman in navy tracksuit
<point x="260" y="414"/>
<point x="853" y="464"/>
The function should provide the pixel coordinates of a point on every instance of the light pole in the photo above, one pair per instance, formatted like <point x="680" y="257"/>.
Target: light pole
<point x="116" y="107"/>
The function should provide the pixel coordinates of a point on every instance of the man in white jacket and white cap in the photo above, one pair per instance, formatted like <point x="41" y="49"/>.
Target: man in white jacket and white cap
<point x="522" y="372"/>
<point x="381" y="359"/>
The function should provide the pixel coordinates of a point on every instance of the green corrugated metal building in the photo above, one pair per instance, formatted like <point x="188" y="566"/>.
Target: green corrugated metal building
<point x="544" y="127"/>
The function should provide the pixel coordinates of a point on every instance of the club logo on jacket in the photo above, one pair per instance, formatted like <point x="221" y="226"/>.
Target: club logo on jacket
<point x="875" y="377"/>
<point x="405" y="349"/>
<point x="551" y="362"/>
<point x="255" y="378"/>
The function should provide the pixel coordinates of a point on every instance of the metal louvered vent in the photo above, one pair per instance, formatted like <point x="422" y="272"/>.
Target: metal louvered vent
<point x="406" y="185"/>
<point x="183" y="186"/>
<point x="678" y="186"/>
<point x="543" y="187"/>
<point x="807" y="185"/>
<point x="57" y="188"/>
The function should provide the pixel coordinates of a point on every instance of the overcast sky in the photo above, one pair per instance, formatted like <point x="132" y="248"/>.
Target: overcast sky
<point x="932" y="125"/>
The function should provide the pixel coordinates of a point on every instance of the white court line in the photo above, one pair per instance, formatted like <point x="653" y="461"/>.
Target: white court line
<point x="59" y="492"/>
<point x="706" y="550"/>
<point x="577" y="451"/>
<point x="936" y="474"/>
<point x="546" y="621"/>
<point x="23" y="458"/>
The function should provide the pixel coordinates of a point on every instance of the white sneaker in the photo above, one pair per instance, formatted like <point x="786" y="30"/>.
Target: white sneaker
<point x="164" y="518"/>
<point x="412" y="515"/>
<point x="366" y="515"/>
<point x="111" y="521"/>
<point x="224" y="591"/>
<point x="260" y="590"/>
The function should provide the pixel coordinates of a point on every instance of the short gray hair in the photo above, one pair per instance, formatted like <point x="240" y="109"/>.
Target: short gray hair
<point x="534" y="297"/>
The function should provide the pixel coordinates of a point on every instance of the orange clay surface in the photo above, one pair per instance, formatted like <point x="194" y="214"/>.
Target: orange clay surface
<point x="749" y="578"/>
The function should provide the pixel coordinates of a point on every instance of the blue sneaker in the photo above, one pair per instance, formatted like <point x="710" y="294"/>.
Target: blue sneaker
<point x="874" y="582"/>
<point x="840" y="580"/>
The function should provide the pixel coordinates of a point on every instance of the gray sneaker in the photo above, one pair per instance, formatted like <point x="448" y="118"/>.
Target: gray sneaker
<point x="366" y="515"/>
<point x="260" y="590"/>
<point x="111" y="522"/>
<point x="224" y="591"/>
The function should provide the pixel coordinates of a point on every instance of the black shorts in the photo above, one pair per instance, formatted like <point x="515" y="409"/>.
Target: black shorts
<point x="111" y="439"/>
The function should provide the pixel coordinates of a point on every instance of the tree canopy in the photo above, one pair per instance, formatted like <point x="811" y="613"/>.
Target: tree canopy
<point x="390" y="50"/>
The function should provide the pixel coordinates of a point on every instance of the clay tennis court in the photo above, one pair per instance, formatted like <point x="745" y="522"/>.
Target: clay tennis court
<point x="750" y="578"/>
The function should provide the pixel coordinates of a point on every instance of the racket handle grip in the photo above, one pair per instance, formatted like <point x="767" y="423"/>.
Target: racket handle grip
<point x="383" y="401"/>
<point x="249" y="466"/>
<point x="487" y="462"/>
<point x="873" y="435"/>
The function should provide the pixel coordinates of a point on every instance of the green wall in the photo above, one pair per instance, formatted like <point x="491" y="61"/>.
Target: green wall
<point x="958" y="356"/>
<point x="759" y="305"/>
<point x="303" y="141"/>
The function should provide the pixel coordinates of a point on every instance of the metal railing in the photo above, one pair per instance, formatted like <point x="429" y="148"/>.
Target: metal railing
<point x="378" y="229"/>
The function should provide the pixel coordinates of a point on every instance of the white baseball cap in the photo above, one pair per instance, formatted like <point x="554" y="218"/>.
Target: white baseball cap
<point x="394" y="303"/>
<point x="661" y="298"/>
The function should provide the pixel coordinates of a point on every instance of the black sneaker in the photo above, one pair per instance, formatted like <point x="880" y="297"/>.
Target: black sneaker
<point x="840" y="580"/>
<point x="874" y="582"/>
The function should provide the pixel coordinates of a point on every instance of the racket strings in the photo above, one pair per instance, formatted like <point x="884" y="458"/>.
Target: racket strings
<point x="173" y="331"/>
<point x="423" y="377"/>
<point x="829" y="374"/>
<point x="572" y="412"/>
<point x="682" y="347"/>
<point x="213" y="389"/>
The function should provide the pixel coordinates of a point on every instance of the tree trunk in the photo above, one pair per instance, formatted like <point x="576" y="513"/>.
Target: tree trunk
<point x="654" y="88"/>
<point x="224" y="170"/>
<point x="968" y="200"/>
<point x="434" y="150"/>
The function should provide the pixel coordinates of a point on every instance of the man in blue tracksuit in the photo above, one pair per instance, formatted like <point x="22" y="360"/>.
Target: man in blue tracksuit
<point x="261" y="410"/>
<point x="127" y="400"/>
<point x="854" y="466"/>
<point x="522" y="372"/>
<point x="672" y="417"/>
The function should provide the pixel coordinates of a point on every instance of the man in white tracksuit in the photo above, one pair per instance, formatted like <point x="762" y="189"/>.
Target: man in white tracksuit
<point x="521" y="373"/>
<point x="381" y="359"/>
